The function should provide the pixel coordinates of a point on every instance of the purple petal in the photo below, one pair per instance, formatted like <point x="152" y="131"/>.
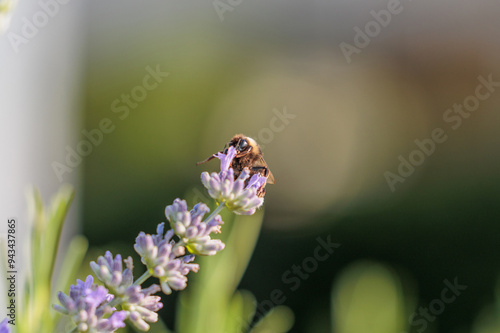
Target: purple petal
<point x="226" y="159"/>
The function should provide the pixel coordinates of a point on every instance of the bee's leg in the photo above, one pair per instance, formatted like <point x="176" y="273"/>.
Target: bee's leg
<point x="261" y="192"/>
<point x="205" y="161"/>
<point x="266" y="169"/>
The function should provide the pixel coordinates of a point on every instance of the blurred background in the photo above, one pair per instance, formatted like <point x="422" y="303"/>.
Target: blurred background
<point x="122" y="98"/>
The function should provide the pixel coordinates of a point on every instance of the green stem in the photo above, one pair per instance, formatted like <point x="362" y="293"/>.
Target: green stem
<point x="216" y="211"/>
<point x="73" y="330"/>
<point x="115" y="302"/>
<point x="143" y="278"/>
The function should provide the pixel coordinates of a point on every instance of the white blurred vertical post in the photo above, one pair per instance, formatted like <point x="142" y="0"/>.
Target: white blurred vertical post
<point x="41" y="62"/>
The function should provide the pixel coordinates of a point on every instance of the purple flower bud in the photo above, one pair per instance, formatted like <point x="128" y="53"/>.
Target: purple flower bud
<point x="226" y="159"/>
<point x="87" y="304"/>
<point x="194" y="233"/>
<point x="109" y="270"/>
<point x="142" y="306"/>
<point x="163" y="257"/>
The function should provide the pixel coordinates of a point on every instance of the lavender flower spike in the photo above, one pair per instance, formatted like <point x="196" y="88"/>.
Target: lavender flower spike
<point x="141" y="307"/>
<point x="240" y="198"/>
<point x="194" y="233"/>
<point x="110" y="271"/>
<point x="164" y="259"/>
<point x="87" y="304"/>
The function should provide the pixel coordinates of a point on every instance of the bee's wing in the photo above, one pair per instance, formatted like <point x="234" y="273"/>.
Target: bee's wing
<point x="261" y="163"/>
<point x="270" y="178"/>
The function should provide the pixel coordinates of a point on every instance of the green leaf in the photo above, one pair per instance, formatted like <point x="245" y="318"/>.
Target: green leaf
<point x="241" y="310"/>
<point x="35" y="313"/>
<point x="206" y="303"/>
<point x="72" y="261"/>
<point x="279" y="320"/>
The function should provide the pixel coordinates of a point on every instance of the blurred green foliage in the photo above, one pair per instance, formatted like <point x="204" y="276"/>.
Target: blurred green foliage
<point x="38" y="289"/>
<point x="368" y="298"/>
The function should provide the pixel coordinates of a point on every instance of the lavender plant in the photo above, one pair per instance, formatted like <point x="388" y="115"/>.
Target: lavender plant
<point x="167" y="255"/>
